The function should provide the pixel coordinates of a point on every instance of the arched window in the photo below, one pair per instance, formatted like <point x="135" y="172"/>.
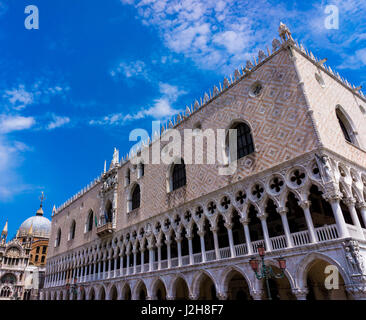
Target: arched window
<point x="108" y="214"/>
<point x="136" y="197"/>
<point x="244" y="143"/>
<point x="179" y="175"/>
<point x="72" y="230"/>
<point x="345" y="125"/>
<point x="140" y="170"/>
<point x="89" y="221"/>
<point x="127" y="177"/>
<point x="58" y="238"/>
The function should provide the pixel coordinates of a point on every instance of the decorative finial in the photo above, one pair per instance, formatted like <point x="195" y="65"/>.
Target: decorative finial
<point x="276" y="44"/>
<point x="4" y="233"/>
<point x="261" y="56"/>
<point x="284" y="32"/>
<point x="42" y="198"/>
<point x="40" y="210"/>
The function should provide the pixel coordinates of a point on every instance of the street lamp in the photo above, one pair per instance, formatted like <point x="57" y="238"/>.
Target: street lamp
<point x="266" y="272"/>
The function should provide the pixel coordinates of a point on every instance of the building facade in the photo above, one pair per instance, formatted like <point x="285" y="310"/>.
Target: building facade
<point x="183" y="231"/>
<point x="23" y="259"/>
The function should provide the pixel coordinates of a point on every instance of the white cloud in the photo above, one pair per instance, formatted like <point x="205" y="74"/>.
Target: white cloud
<point x="10" y="158"/>
<point x="130" y="69"/>
<point x="214" y="34"/>
<point x="57" y="122"/>
<point x="15" y="123"/>
<point x="354" y="61"/>
<point x="21" y="96"/>
<point x="161" y="108"/>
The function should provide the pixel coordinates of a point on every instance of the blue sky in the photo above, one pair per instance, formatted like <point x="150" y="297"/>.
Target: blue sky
<point x="73" y="90"/>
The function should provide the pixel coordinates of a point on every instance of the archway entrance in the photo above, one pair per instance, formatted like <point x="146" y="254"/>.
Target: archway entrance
<point x="126" y="293"/>
<point x="181" y="290"/>
<point x="160" y="292"/>
<point x="280" y="289"/>
<point x="207" y="290"/>
<point x="237" y="287"/>
<point x="141" y="291"/>
<point x="113" y="294"/>
<point x="82" y="293"/>
<point x="315" y="280"/>
<point x="92" y="294"/>
<point x="102" y="294"/>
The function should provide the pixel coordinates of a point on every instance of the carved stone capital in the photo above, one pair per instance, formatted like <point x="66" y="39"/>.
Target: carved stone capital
<point x="222" y="296"/>
<point x="333" y="197"/>
<point x="257" y="294"/>
<point x="282" y="210"/>
<point x="262" y="216"/>
<point x="193" y="296"/>
<point x="350" y="202"/>
<point x="305" y="204"/>
<point x="300" y="293"/>
<point x="361" y="205"/>
<point x="244" y="221"/>
<point x="201" y="233"/>
<point x="228" y="225"/>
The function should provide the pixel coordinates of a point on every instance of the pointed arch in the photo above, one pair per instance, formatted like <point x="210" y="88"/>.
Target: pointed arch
<point x="198" y="288"/>
<point x="306" y="263"/>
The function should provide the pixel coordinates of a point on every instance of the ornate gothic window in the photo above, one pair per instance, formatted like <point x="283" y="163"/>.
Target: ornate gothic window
<point x="344" y="130"/>
<point x="58" y="238"/>
<point x="179" y="175"/>
<point x="108" y="215"/>
<point x="136" y="197"/>
<point x="72" y="230"/>
<point x="346" y="126"/>
<point x="89" y="222"/>
<point x="244" y="143"/>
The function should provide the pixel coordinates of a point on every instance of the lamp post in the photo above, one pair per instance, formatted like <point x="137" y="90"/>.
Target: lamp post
<point x="266" y="272"/>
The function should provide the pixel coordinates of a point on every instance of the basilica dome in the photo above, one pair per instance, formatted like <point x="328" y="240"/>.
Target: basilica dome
<point x="36" y="226"/>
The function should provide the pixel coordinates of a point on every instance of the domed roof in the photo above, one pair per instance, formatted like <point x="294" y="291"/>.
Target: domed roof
<point x="37" y="226"/>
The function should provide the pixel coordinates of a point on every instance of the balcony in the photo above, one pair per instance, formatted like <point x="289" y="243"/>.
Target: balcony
<point x="105" y="230"/>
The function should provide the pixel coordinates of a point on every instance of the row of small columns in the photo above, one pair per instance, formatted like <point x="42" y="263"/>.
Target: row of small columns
<point x="334" y="201"/>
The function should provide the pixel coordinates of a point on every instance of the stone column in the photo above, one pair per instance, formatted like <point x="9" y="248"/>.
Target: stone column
<point x="203" y="248"/>
<point x="267" y="241"/>
<point x="305" y="205"/>
<point x="179" y="245"/>
<point x="362" y="207"/>
<point x="190" y="248"/>
<point x="229" y="226"/>
<point x="169" y="256"/>
<point x="109" y="267"/>
<point x="286" y="228"/>
<point x="142" y="250"/>
<point x="128" y="262"/>
<point x="350" y="203"/>
<point x="121" y="264"/>
<point x="216" y="243"/>
<point x="158" y="245"/>
<point x="338" y="215"/>
<point x="134" y="260"/>
<point x="245" y="223"/>
<point x="151" y="257"/>
<point x="115" y="267"/>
